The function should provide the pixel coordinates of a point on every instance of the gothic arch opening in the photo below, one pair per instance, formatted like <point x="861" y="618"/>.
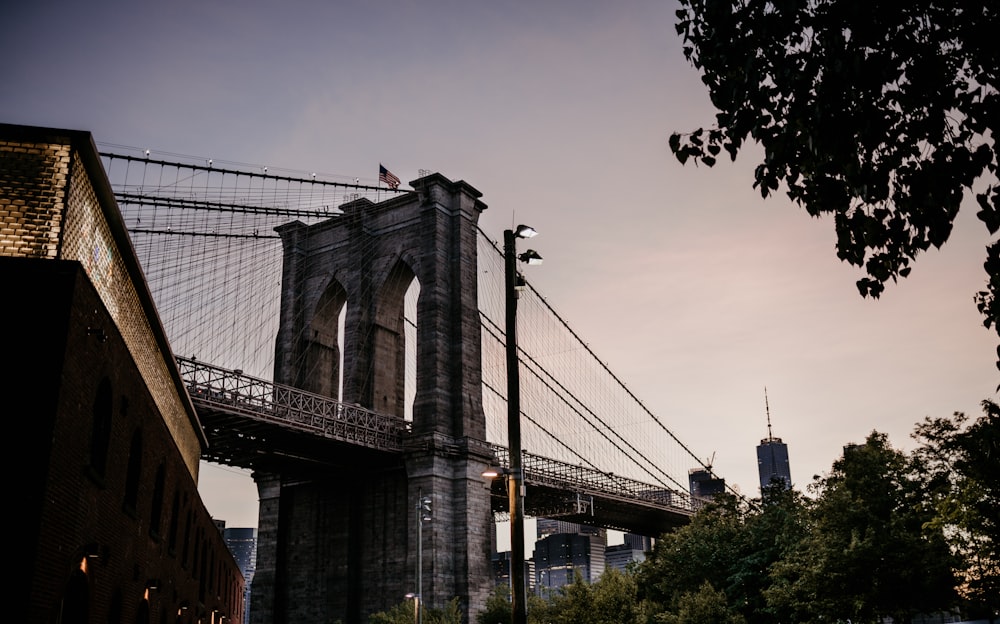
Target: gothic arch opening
<point x="322" y="366"/>
<point x="410" y="346"/>
<point x="394" y="363"/>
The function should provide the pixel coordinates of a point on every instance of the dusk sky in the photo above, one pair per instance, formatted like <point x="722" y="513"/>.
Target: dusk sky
<point x="692" y="288"/>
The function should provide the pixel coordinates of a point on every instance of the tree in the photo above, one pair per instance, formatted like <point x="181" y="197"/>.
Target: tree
<point x="403" y="613"/>
<point x="869" y="552"/>
<point x="497" y="610"/>
<point x="882" y="114"/>
<point x="775" y="528"/>
<point x="959" y="465"/>
<point x="704" y="606"/>
<point x="703" y="551"/>
<point x="731" y="546"/>
<point x="616" y="598"/>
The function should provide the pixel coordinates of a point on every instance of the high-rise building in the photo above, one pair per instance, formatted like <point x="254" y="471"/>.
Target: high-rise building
<point x="501" y="570"/>
<point x="547" y="526"/>
<point x="633" y="548"/>
<point x="558" y="558"/>
<point x="242" y="543"/>
<point x="703" y="484"/>
<point x="772" y="458"/>
<point x="641" y="543"/>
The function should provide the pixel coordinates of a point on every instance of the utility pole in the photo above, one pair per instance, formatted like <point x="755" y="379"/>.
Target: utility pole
<point x="515" y="477"/>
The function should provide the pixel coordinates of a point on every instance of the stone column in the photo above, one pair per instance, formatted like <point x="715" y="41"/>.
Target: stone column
<point x="263" y="590"/>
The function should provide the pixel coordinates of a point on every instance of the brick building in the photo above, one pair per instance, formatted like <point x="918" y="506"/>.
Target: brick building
<point x="105" y="443"/>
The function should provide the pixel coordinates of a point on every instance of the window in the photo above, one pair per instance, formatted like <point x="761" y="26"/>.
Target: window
<point x="100" y="433"/>
<point x="175" y="512"/>
<point x="133" y="473"/>
<point x="156" y="512"/>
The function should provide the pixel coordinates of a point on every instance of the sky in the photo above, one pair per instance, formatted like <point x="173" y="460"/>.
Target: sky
<point x="695" y="291"/>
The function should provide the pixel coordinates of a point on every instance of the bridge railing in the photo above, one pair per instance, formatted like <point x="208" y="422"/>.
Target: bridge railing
<point x="233" y="392"/>
<point x="544" y="471"/>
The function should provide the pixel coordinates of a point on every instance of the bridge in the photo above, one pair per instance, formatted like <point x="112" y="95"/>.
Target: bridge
<point x="342" y="340"/>
<point x="252" y="421"/>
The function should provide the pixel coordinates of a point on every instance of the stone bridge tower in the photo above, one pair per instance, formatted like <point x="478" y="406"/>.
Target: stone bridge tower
<point x="337" y="536"/>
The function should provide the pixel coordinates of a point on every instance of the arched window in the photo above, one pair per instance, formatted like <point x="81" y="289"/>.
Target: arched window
<point x="100" y="433"/>
<point x="133" y="473"/>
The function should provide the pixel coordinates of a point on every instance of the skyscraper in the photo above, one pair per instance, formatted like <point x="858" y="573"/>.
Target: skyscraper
<point x="242" y="542"/>
<point x="704" y="484"/>
<point x="560" y="556"/>
<point x="772" y="457"/>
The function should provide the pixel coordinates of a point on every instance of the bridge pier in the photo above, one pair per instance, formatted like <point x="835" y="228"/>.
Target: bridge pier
<point x="338" y="546"/>
<point x="456" y="541"/>
<point x="337" y="536"/>
<point x="342" y="546"/>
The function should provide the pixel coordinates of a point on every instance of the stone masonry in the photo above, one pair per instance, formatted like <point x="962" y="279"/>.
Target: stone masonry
<point x="341" y="544"/>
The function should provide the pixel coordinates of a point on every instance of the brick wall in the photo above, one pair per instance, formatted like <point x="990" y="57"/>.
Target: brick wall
<point x="66" y="346"/>
<point x="112" y="525"/>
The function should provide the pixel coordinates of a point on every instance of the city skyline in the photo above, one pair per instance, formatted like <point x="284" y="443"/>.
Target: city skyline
<point x="694" y="290"/>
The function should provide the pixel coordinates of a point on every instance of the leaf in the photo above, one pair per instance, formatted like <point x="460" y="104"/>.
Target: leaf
<point x="989" y="213"/>
<point x="675" y="142"/>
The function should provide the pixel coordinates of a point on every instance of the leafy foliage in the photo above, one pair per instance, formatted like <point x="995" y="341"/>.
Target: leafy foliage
<point x="960" y="469"/>
<point x="497" y="609"/>
<point x="705" y="606"/>
<point x="403" y="614"/>
<point x="612" y="599"/>
<point x="867" y="554"/>
<point x="882" y="114"/>
<point x="882" y="535"/>
<point x="729" y="545"/>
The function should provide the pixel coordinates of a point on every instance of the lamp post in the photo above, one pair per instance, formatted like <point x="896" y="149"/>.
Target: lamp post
<point x="423" y="509"/>
<point x="416" y="605"/>
<point x="515" y="478"/>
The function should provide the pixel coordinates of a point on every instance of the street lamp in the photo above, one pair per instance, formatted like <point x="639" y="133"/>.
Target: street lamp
<point x="416" y="605"/>
<point x="515" y="478"/>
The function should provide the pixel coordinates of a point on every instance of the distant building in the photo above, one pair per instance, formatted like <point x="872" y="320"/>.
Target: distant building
<point x="772" y="458"/>
<point x="634" y="548"/>
<point x="619" y="556"/>
<point x="772" y="463"/>
<point x="547" y="526"/>
<point x="106" y="484"/>
<point x="639" y="542"/>
<point x="242" y="543"/>
<point x="560" y="556"/>
<point x="703" y="484"/>
<point x="501" y="570"/>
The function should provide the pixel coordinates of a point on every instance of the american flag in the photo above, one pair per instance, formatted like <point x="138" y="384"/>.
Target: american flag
<point x="384" y="175"/>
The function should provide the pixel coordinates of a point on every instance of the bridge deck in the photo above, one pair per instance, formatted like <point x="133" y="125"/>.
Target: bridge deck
<point x="250" y="422"/>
